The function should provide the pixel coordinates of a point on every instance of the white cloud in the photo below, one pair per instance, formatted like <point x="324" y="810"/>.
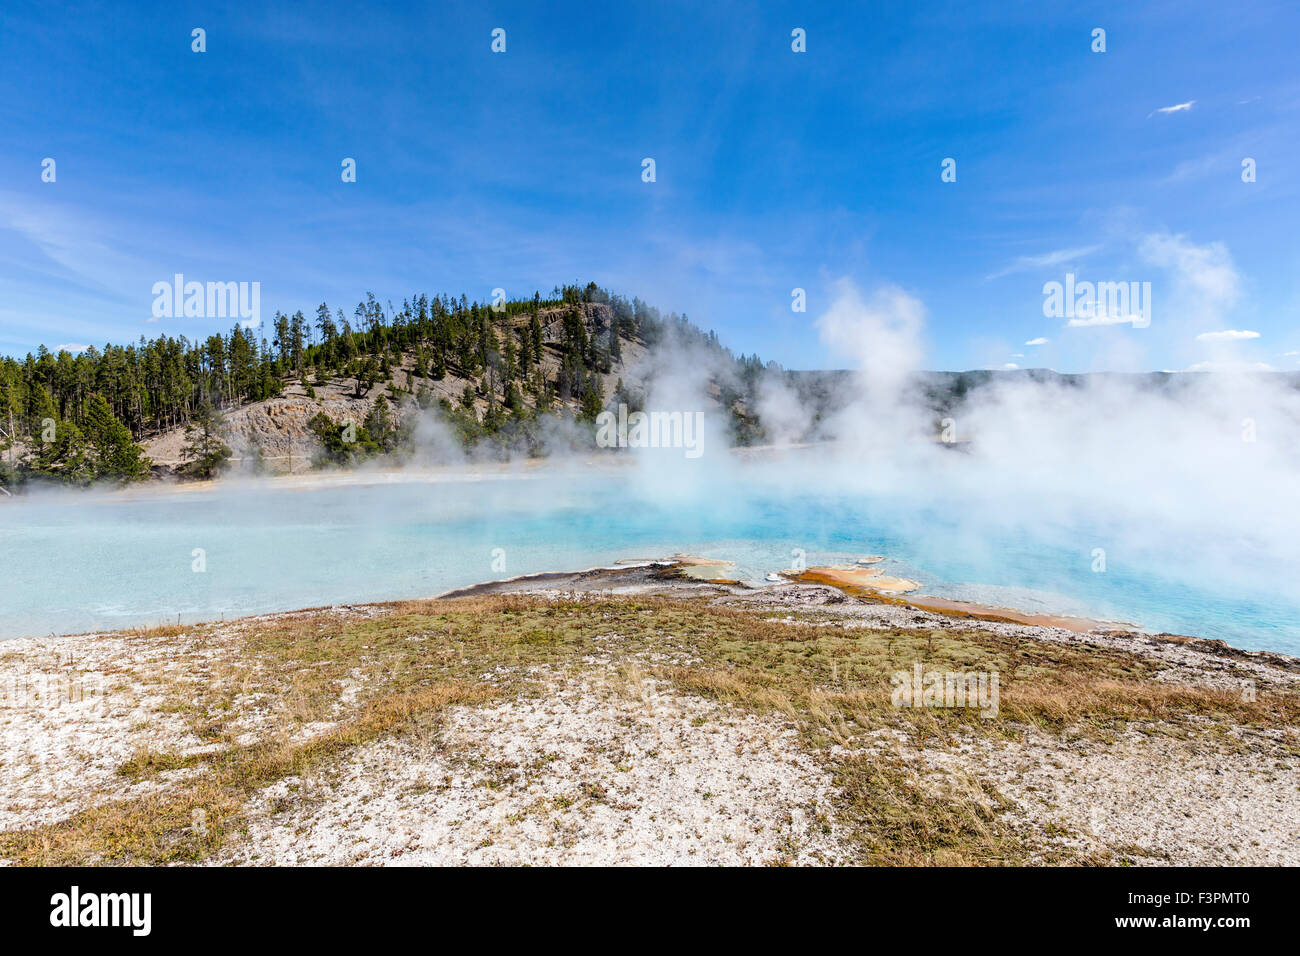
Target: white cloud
<point x="1212" y="164"/>
<point x="1038" y="341"/>
<point x="1102" y="318"/>
<point x="1055" y="258"/>
<point x="1231" y="367"/>
<point x="1011" y="365"/>
<point x="70" y="347"/>
<point x="1227" y="335"/>
<point x="1177" y="108"/>
<point x="1205" y="277"/>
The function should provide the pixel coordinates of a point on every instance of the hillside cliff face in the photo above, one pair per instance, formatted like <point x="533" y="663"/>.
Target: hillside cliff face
<point x="510" y="376"/>
<point x="278" y="428"/>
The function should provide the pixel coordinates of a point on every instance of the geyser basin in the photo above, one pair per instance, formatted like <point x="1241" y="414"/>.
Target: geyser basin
<point x="74" y="563"/>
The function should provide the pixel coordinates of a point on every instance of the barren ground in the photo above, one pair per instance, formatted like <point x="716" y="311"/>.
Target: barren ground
<point x="672" y="723"/>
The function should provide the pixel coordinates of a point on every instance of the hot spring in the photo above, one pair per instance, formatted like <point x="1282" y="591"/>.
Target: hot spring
<point x="95" y="561"/>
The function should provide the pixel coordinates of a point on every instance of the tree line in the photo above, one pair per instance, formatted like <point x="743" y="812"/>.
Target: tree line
<point x="79" y="418"/>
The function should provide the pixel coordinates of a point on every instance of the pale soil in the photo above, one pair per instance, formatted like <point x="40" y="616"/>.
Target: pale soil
<point x="74" y="709"/>
<point x="606" y="770"/>
<point x="1147" y="797"/>
<point x="604" y="764"/>
<point x="354" y="477"/>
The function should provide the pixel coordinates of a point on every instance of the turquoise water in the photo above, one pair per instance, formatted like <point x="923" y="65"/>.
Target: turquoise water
<point x="80" y="563"/>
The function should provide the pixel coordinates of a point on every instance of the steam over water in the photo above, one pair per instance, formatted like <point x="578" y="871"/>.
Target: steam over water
<point x="75" y="563"/>
<point x="1166" y="501"/>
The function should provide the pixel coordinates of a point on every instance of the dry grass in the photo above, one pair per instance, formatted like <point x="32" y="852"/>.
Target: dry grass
<point x="283" y="696"/>
<point x="188" y="821"/>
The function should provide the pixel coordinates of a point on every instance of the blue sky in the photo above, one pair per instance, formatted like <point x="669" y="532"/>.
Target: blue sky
<point x="775" y="169"/>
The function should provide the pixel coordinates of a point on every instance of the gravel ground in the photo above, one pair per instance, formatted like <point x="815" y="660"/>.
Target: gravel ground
<point x="74" y="709"/>
<point x="607" y="771"/>
<point x="1148" y="798"/>
<point x="606" y="765"/>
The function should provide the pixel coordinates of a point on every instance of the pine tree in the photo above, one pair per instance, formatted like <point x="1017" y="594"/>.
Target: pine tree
<point x="65" y="458"/>
<point x="593" y="402"/>
<point x="366" y="374"/>
<point x="205" y="454"/>
<point x="40" y="412"/>
<point x="535" y="333"/>
<point x="114" y="454"/>
<point x="379" y="424"/>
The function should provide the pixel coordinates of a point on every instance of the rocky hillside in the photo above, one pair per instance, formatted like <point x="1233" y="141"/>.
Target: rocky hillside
<point x="278" y="427"/>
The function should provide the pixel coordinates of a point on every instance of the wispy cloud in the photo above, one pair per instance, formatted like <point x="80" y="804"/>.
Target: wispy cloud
<point x="1231" y="367"/>
<point x="1206" y="274"/>
<point x="1038" y="341"/>
<point x="1176" y="108"/>
<point x="1227" y="335"/>
<point x="1202" y="166"/>
<point x="1102" y="319"/>
<point x="1047" y="259"/>
<point x="70" y="347"/>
